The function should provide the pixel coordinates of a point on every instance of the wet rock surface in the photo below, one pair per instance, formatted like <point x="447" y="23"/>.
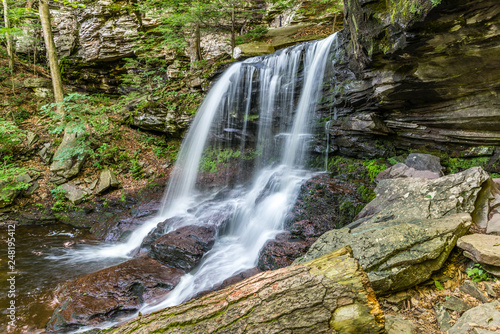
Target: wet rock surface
<point x="485" y="318"/>
<point x="111" y="292"/>
<point x="330" y="292"/>
<point x="184" y="247"/>
<point x="409" y="71"/>
<point x="323" y="204"/>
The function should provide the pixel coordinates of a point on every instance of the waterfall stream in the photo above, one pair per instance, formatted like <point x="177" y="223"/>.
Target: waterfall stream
<point x="260" y="108"/>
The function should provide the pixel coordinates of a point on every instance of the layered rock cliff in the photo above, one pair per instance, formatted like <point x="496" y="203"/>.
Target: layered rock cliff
<point x="417" y="74"/>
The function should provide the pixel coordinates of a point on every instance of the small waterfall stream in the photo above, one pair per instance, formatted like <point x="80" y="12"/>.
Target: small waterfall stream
<point x="261" y="107"/>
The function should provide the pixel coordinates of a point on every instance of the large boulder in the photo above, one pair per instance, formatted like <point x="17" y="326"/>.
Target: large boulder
<point x="328" y="295"/>
<point x="409" y="229"/>
<point x="424" y="198"/>
<point x="111" y="292"/>
<point x="184" y="247"/>
<point x="397" y="253"/>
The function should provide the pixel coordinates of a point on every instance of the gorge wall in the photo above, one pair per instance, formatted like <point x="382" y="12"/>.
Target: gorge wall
<point x="417" y="74"/>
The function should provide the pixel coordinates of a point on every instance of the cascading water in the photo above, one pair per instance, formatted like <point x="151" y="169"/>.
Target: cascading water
<point x="262" y="108"/>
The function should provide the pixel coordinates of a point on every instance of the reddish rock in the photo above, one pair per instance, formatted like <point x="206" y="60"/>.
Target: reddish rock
<point x="323" y="204"/>
<point x="111" y="292"/>
<point x="282" y="251"/>
<point x="184" y="247"/>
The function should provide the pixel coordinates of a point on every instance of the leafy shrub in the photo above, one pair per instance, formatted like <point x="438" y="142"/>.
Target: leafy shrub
<point x="373" y="167"/>
<point x="136" y="169"/>
<point x="477" y="273"/>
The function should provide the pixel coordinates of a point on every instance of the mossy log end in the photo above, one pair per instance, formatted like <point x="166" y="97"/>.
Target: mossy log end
<point x="331" y="294"/>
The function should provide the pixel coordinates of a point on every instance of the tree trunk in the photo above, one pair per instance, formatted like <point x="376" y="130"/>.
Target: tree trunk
<point x="233" y="31"/>
<point x="331" y="294"/>
<point x="197" y="42"/>
<point x="10" y="44"/>
<point x="55" y="73"/>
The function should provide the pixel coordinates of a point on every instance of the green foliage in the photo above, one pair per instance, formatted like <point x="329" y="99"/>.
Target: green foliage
<point x="374" y="167"/>
<point x="59" y="196"/>
<point x="438" y="285"/>
<point x="136" y="169"/>
<point x="477" y="273"/>
<point x="84" y="116"/>
<point x="10" y="137"/>
<point x="495" y="175"/>
<point x="108" y="155"/>
<point x="8" y="180"/>
<point x="366" y="193"/>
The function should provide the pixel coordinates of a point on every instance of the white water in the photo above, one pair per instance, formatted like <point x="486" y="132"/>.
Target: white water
<point x="257" y="210"/>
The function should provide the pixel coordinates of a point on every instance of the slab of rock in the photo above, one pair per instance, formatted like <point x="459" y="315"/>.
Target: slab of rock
<point x="184" y="247"/>
<point x="493" y="222"/>
<point x="471" y="288"/>
<point x="397" y="253"/>
<point x="454" y="303"/>
<point x="425" y="162"/>
<point x="65" y="163"/>
<point x="487" y="316"/>
<point x="252" y="49"/>
<point x="107" y="180"/>
<point x="482" y="248"/>
<point x="111" y="292"/>
<point x="401" y="170"/>
<point x="73" y="193"/>
<point x="425" y="199"/>
<point x="397" y="325"/>
<point x="329" y="294"/>
<point x="281" y="251"/>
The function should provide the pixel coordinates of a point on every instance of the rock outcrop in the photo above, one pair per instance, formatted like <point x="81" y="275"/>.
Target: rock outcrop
<point x="483" y="319"/>
<point x="112" y="292"/>
<point x="409" y="229"/>
<point x="322" y="296"/>
<point x="417" y="73"/>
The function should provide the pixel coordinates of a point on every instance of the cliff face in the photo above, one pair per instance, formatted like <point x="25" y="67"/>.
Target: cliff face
<point x="417" y="74"/>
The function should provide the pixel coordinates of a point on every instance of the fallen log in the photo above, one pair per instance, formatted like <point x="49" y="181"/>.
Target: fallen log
<point x="330" y="294"/>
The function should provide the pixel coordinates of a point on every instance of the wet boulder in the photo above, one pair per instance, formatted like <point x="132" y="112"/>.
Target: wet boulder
<point x="281" y="251"/>
<point x="111" y="292"/>
<point x="323" y="204"/>
<point x="184" y="247"/>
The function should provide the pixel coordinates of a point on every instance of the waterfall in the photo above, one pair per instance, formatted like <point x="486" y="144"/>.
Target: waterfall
<point x="260" y="108"/>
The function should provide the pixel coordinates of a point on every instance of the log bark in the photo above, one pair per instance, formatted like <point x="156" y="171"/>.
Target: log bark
<point x="330" y="294"/>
